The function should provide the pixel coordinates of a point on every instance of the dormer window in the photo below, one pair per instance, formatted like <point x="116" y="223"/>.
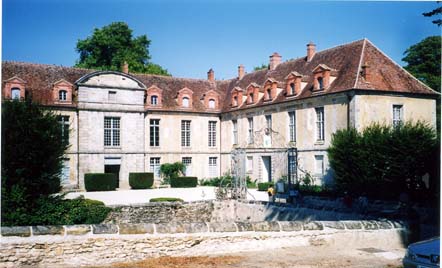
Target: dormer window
<point x="153" y="96"/>
<point x="212" y="104"/>
<point x="292" y="89"/>
<point x="112" y="96"/>
<point x="322" y="77"/>
<point x="15" y="93"/>
<point x="269" y="94"/>
<point x="62" y="95"/>
<point x="235" y="101"/>
<point x="250" y="99"/>
<point x="154" y="100"/>
<point x="185" y="102"/>
<point x="320" y="83"/>
<point x="293" y="84"/>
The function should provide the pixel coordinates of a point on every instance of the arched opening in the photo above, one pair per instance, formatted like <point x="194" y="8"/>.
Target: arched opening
<point x="154" y="100"/>
<point x="320" y="83"/>
<point x="292" y="88"/>
<point x="235" y="101"/>
<point x="269" y="93"/>
<point x="212" y="104"/>
<point x="185" y="102"/>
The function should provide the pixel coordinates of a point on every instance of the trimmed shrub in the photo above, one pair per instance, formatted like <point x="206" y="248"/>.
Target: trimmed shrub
<point x="263" y="186"/>
<point x="166" y="199"/>
<point x="100" y="181"/>
<point x="217" y="181"/>
<point x="141" y="180"/>
<point x="183" y="182"/>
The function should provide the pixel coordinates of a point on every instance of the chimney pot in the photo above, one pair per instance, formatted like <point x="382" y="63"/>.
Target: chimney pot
<point x="125" y="68"/>
<point x="211" y="75"/>
<point x="311" y="50"/>
<point x="275" y="60"/>
<point x="240" y="72"/>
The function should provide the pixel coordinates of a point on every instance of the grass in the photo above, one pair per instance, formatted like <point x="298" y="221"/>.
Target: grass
<point x="166" y="199"/>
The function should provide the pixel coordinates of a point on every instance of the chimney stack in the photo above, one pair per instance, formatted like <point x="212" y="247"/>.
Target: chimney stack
<point x="240" y="72"/>
<point x="311" y="50"/>
<point x="125" y="68"/>
<point x="366" y="72"/>
<point x="211" y="75"/>
<point x="275" y="60"/>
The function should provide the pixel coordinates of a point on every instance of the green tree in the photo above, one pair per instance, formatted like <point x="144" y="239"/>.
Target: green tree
<point x="109" y="47"/>
<point x="172" y="171"/>
<point x="435" y="12"/>
<point x="262" y="67"/>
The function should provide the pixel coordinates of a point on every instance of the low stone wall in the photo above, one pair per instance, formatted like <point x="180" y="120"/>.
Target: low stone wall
<point x="107" y="243"/>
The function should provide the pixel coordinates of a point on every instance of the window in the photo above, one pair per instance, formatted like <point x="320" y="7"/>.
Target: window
<point x="155" y="166"/>
<point x="292" y="88"/>
<point x="235" y="101"/>
<point x="213" y="167"/>
<point x="320" y="83"/>
<point x="111" y="131"/>
<point x="292" y="126"/>
<point x="185" y="102"/>
<point x="319" y="165"/>
<point x="320" y="124"/>
<point x="269" y="93"/>
<point x="250" y="130"/>
<point x="185" y="133"/>
<point x="187" y="162"/>
<point x="154" y="100"/>
<point x="154" y="132"/>
<point x="112" y="96"/>
<point x="397" y="115"/>
<point x="64" y="124"/>
<point x="235" y="131"/>
<point x="269" y="122"/>
<point x="15" y="93"/>
<point x="249" y="165"/>
<point x="65" y="172"/>
<point x="212" y="133"/>
<point x="212" y="104"/>
<point x="251" y="98"/>
<point x="62" y="95"/>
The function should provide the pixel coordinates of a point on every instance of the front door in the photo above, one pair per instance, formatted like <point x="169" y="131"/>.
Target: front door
<point x="267" y="168"/>
<point x="113" y="169"/>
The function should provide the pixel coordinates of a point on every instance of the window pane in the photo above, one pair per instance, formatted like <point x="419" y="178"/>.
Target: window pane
<point x="213" y="167"/>
<point x="15" y="93"/>
<point x="212" y="133"/>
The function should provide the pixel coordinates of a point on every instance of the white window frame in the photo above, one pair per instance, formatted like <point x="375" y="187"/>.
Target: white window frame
<point x="154" y="100"/>
<point x="320" y="123"/>
<point x="212" y="104"/>
<point x="63" y="120"/>
<point x="319" y="165"/>
<point x="292" y="126"/>
<point x="213" y="167"/>
<point x="62" y="95"/>
<point x="187" y="162"/>
<point x="235" y="131"/>
<point x="185" y="133"/>
<point x="154" y="131"/>
<point x="65" y="172"/>
<point x="154" y="165"/>
<point x="249" y="164"/>
<point x="112" y="96"/>
<point x="112" y="131"/>
<point x="212" y="134"/>
<point x="250" y="138"/>
<point x="15" y="93"/>
<point x="398" y="114"/>
<point x="186" y="102"/>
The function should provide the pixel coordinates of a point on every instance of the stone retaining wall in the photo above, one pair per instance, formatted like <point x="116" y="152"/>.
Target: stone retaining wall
<point x="108" y="243"/>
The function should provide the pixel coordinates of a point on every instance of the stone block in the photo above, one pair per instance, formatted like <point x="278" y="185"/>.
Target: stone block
<point x="196" y="227"/>
<point x="334" y="225"/>
<point x="78" y="229"/>
<point x="291" y="226"/>
<point x="352" y="225"/>
<point x="370" y="225"/>
<point x="384" y="225"/>
<point x="170" y="228"/>
<point x="222" y="227"/>
<point x="104" y="229"/>
<point x="136" y="228"/>
<point x="23" y="231"/>
<point x="313" y="225"/>
<point x="266" y="226"/>
<point x="47" y="230"/>
<point x="244" y="226"/>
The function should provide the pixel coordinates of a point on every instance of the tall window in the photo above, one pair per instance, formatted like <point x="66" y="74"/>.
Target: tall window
<point x="111" y="131"/>
<point x="185" y="133"/>
<point x="292" y="126"/>
<point x="251" y="98"/>
<point x="62" y="95"/>
<point x="155" y="166"/>
<point x="185" y="102"/>
<point x="249" y="164"/>
<point x="187" y="162"/>
<point x="320" y="83"/>
<point x="154" y="132"/>
<point x="269" y="122"/>
<point x="213" y="167"/>
<point x="154" y="100"/>
<point x="63" y="120"/>
<point x="397" y="115"/>
<point x="212" y="104"/>
<point x="235" y="101"/>
<point x="320" y="124"/>
<point x="250" y="130"/>
<point x="269" y="93"/>
<point x="112" y="96"/>
<point x="235" y="131"/>
<point x="212" y="133"/>
<point x="292" y="88"/>
<point x="65" y="172"/>
<point x="15" y="93"/>
<point x="319" y="165"/>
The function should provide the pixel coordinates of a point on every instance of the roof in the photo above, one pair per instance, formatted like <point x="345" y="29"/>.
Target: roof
<point x="345" y="63"/>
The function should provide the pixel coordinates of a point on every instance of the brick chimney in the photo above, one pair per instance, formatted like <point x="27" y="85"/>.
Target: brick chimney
<point x="125" y="68"/>
<point x="211" y="75"/>
<point x="275" y="60"/>
<point x="366" y="72"/>
<point x="311" y="50"/>
<point x="241" y="72"/>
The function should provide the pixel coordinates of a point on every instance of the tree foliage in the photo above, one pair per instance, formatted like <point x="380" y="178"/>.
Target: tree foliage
<point x="172" y="171"/>
<point x="383" y="161"/>
<point x="262" y="67"/>
<point x="435" y="12"/>
<point x="112" y="45"/>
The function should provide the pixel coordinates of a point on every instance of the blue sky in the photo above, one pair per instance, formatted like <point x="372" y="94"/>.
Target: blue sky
<point x="190" y="37"/>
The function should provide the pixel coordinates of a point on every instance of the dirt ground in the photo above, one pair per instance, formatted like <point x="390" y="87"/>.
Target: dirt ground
<point x="295" y="257"/>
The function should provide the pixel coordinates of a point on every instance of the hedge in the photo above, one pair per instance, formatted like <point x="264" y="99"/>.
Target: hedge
<point x="100" y="181"/>
<point x="166" y="199"/>
<point x="141" y="180"/>
<point x="183" y="182"/>
<point x="263" y="186"/>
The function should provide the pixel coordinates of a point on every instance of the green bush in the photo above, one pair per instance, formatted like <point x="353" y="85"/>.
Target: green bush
<point x="217" y="181"/>
<point x="100" y="181"/>
<point x="141" y="180"/>
<point x="183" y="182"/>
<point x="166" y="199"/>
<point x="171" y="171"/>
<point x="263" y="186"/>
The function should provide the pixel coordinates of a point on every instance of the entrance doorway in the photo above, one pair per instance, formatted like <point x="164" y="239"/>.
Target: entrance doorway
<point x="112" y="165"/>
<point x="267" y="168"/>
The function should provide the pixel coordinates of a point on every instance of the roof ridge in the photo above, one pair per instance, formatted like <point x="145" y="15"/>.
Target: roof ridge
<point x="46" y="65"/>
<point x="401" y="68"/>
<point x="360" y="62"/>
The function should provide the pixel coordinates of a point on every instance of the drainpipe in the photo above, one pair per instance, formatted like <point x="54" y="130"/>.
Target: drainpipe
<point x="349" y="99"/>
